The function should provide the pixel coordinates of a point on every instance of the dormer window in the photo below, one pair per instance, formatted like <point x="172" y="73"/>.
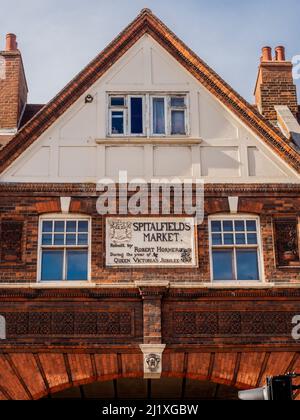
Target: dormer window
<point x="148" y="115"/>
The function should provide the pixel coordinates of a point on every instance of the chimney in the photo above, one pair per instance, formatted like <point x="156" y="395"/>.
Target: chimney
<point x="275" y="85"/>
<point x="11" y="42"/>
<point x="13" y="87"/>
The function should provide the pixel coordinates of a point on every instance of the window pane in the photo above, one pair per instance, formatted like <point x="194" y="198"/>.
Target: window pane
<point x="239" y="225"/>
<point x="52" y="265"/>
<point x="177" y="101"/>
<point x="83" y="239"/>
<point x="247" y="264"/>
<point x="228" y="239"/>
<point x="216" y="226"/>
<point x="252" y="238"/>
<point x="77" y="264"/>
<point x="228" y="226"/>
<point x="178" y="123"/>
<point x="71" y="227"/>
<point x="47" y="239"/>
<point x="59" y="240"/>
<point x="240" y="239"/>
<point x="59" y="226"/>
<point x="47" y="226"/>
<point x="117" y="101"/>
<point x="117" y="122"/>
<point x="83" y="226"/>
<point x="71" y="239"/>
<point x="223" y="265"/>
<point x="217" y="239"/>
<point x="159" y="116"/>
<point x="251" y="225"/>
<point x="137" y="116"/>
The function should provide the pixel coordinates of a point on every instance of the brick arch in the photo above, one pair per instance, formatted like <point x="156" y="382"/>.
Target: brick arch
<point x="25" y="376"/>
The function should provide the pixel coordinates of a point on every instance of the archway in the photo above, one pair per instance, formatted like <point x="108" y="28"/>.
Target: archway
<point x="25" y="376"/>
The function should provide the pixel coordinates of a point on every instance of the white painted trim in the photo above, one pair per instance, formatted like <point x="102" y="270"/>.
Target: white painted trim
<point x="8" y="131"/>
<point x="157" y="140"/>
<point x="175" y="285"/>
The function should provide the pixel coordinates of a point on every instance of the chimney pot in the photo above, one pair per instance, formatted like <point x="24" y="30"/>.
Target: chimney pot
<point x="267" y="54"/>
<point x="280" y="53"/>
<point x="11" y="42"/>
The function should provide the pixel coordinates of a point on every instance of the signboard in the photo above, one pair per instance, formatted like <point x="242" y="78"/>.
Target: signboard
<point x="151" y="242"/>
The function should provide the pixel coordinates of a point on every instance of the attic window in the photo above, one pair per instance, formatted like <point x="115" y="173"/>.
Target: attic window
<point x="117" y="101"/>
<point x="178" y="115"/>
<point x="136" y="115"/>
<point x="148" y="115"/>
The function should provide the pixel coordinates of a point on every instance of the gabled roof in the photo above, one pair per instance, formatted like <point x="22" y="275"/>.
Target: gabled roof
<point x="147" y="23"/>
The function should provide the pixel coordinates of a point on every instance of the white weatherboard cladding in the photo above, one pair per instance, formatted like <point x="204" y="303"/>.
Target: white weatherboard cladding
<point x="76" y="148"/>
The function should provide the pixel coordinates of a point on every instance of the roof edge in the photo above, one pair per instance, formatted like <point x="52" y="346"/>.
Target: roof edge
<point x="147" y="22"/>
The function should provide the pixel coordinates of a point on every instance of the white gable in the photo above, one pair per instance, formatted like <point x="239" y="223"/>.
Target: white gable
<point x="219" y="148"/>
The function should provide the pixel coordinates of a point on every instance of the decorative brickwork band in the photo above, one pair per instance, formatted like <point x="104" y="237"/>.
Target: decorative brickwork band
<point x="66" y="324"/>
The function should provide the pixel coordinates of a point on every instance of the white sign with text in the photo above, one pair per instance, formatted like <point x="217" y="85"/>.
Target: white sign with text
<point x="151" y="242"/>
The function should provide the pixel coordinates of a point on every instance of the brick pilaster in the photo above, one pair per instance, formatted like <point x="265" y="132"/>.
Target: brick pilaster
<point x="152" y="311"/>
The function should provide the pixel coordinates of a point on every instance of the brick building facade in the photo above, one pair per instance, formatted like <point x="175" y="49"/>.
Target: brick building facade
<point x="149" y="106"/>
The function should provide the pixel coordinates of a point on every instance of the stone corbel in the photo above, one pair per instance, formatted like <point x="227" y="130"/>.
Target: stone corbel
<point x="153" y="354"/>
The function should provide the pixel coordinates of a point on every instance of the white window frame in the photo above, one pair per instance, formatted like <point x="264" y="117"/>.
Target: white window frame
<point x="143" y="97"/>
<point x="222" y="217"/>
<point x="175" y="108"/>
<point x="63" y="217"/>
<point x="152" y="115"/>
<point x="112" y="109"/>
<point x="148" y="114"/>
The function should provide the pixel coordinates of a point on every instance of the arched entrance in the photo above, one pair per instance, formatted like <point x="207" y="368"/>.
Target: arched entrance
<point x="140" y="389"/>
<point x="32" y="376"/>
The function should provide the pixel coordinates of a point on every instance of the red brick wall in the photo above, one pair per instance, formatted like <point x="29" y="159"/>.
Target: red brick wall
<point x="13" y="90"/>
<point x="27" y="208"/>
<point x="276" y="87"/>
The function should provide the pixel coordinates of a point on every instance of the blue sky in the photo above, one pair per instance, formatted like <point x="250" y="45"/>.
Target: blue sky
<point x="59" y="37"/>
